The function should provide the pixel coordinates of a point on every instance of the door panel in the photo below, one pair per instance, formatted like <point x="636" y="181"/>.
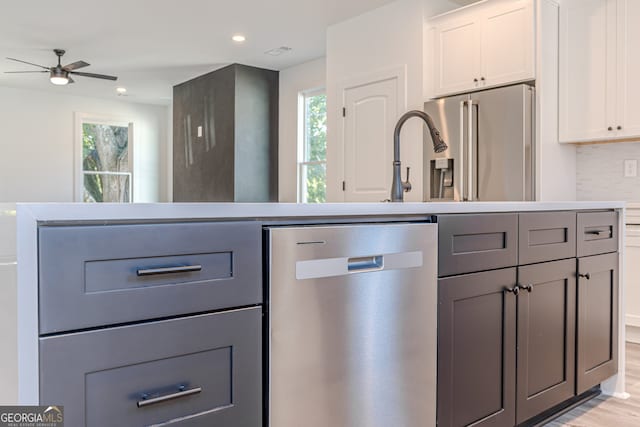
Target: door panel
<point x="458" y="56"/>
<point x="476" y="349"/>
<point x="508" y="58"/>
<point x="368" y="140"/>
<point x="628" y="43"/>
<point x="587" y="70"/>
<point x="597" y="320"/>
<point x="546" y="336"/>
<point x="450" y="118"/>
<point x="501" y="138"/>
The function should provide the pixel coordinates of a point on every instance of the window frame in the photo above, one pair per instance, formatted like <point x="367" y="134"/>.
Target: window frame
<point x="302" y="142"/>
<point x="79" y="172"/>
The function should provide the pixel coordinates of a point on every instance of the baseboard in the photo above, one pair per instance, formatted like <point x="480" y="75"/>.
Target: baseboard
<point x="632" y="334"/>
<point x="562" y="408"/>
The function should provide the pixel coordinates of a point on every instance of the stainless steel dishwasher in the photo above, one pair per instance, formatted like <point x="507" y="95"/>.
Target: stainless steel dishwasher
<point x="352" y="325"/>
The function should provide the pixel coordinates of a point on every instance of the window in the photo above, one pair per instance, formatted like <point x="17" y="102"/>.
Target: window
<point x="312" y="152"/>
<point x="106" y="173"/>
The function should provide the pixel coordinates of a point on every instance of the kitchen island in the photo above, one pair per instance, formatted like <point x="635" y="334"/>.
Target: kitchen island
<point x="558" y="247"/>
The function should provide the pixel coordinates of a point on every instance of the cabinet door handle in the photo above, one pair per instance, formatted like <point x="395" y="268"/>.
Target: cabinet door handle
<point x="586" y="276"/>
<point x="598" y="232"/>
<point x="527" y="288"/>
<point x="180" y="393"/>
<point x="609" y="128"/>
<point x="619" y="127"/>
<point x="475" y="80"/>
<point x="168" y="270"/>
<point x="515" y="290"/>
<point x="482" y="78"/>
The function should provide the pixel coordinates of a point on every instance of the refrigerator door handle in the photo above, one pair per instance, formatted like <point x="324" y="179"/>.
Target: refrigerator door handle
<point x="461" y="192"/>
<point x="470" y="181"/>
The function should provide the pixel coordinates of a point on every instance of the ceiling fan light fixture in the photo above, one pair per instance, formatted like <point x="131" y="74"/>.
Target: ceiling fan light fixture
<point x="59" y="77"/>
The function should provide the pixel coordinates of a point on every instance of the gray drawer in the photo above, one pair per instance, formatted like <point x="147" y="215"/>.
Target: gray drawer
<point x="546" y="236"/>
<point x="597" y="233"/>
<point x="100" y="376"/>
<point x="468" y="243"/>
<point x="100" y="275"/>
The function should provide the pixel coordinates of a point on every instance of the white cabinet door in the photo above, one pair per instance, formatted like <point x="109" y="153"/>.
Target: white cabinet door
<point x="457" y="55"/>
<point x="371" y="114"/>
<point x="508" y="46"/>
<point x="628" y="76"/>
<point x="587" y="70"/>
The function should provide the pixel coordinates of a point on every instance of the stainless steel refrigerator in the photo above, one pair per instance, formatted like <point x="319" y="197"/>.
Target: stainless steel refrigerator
<point x="491" y="146"/>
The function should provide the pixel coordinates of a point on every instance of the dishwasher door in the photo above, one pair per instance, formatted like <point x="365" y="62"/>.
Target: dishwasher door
<point x="352" y="326"/>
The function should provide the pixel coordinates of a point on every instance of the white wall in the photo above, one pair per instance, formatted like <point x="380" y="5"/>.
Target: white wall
<point x="37" y="145"/>
<point x="601" y="172"/>
<point x="310" y="75"/>
<point x="384" y="38"/>
<point x="8" y="306"/>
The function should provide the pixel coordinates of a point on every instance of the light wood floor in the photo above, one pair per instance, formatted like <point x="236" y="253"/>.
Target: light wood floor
<point x="608" y="411"/>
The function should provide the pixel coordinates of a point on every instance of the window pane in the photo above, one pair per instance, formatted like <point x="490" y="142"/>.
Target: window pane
<point x="105" y="148"/>
<point x="315" y="128"/>
<point x="107" y="188"/>
<point x="314" y="182"/>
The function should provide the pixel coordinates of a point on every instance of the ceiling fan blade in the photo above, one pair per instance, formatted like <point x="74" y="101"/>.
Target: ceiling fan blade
<point x="96" y="76"/>
<point x="30" y="63"/>
<point x="75" y="66"/>
<point x="20" y="72"/>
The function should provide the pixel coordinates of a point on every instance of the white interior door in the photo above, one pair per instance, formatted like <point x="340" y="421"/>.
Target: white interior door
<point x="628" y="107"/>
<point x="371" y="111"/>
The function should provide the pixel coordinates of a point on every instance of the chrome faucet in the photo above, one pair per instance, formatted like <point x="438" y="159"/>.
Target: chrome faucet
<point x="398" y="187"/>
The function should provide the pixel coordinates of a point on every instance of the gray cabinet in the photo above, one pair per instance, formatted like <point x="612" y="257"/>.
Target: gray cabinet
<point x="597" y="320"/>
<point x="516" y="342"/>
<point x="546" y="236"/>
<point x="193" y="371"/>
<point x="477" y="349"/>
<point x="468" y="243"/>
<point x="546" y="336"/>
<point x="100" y="275"/>
<point x="597" y="233"/>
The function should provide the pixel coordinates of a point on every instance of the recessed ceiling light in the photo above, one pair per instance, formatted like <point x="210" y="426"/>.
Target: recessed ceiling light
<point x="121" y="89"/>
<point x="238" y="38"/>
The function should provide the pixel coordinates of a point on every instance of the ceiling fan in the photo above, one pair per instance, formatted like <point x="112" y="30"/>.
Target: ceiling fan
<point x="59" y="74"/>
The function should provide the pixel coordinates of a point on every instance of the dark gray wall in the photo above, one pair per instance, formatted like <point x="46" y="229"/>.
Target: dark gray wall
<point x="236" y="157"/>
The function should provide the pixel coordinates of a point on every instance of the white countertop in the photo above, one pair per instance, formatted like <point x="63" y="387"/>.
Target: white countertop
<point x="108" y="212"/>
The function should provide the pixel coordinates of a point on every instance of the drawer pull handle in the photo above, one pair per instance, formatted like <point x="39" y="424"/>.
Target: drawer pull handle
<point x="182" y="393"/>
<point x="598" y="232"/>
<point x="515" y="290"/>
<point x="168" y="270"/>
<point x="586" y="276"/>
<point x="527" y="288"/>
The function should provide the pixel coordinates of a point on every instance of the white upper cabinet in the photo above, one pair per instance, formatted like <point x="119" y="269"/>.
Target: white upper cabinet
<point x="483" y="46"/>
<point x="599" y="65"/>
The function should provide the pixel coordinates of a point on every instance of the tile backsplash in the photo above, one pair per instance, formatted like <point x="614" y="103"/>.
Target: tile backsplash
<point x="600" y="172"/>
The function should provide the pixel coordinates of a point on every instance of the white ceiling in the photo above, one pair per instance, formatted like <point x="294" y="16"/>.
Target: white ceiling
<point x="152" y="45"/>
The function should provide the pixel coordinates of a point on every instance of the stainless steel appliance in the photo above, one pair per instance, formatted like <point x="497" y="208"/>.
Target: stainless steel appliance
<point x="352" y="326"/>
<point x="491" y="156"/>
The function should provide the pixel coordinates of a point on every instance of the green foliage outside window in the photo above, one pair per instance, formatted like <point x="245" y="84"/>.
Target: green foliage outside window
<point x="316" y="148"/>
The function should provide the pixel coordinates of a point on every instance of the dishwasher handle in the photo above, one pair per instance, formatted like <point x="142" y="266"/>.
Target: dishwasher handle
<point x="369" y="263"/>
<point x="332" y="267"/>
